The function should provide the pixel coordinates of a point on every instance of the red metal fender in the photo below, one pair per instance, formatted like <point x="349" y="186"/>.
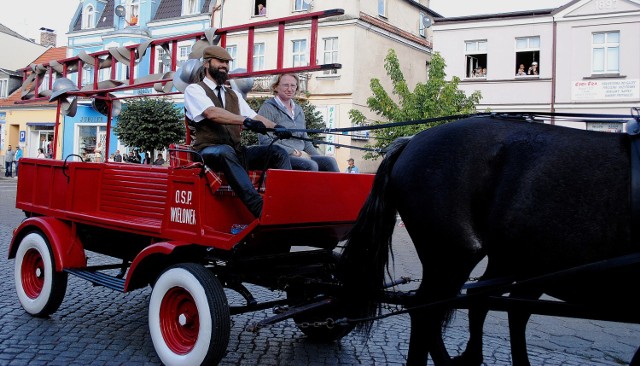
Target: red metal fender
<point x="68" y="250"/>
<point x="164" y="249"/>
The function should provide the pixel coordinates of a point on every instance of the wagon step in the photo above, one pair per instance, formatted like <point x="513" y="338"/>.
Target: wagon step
<point x="99" y="278"/>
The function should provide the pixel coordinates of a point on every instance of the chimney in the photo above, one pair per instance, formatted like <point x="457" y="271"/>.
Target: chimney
<point x="48" y="37"/>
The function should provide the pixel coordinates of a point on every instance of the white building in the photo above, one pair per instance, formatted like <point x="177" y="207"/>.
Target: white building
<point x="586" y="51"/>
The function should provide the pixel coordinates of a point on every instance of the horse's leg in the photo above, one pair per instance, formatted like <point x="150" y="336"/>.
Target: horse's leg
<point x="517" y="328"/>
<point x="472" y="354"/>
<point x="426" y="338"/>
<point x="635" y="361"/>
<point x="418" y="350"/>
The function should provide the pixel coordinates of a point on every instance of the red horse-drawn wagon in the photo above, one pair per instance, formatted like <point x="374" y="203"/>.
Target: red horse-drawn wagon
<point x="182" y="231"/>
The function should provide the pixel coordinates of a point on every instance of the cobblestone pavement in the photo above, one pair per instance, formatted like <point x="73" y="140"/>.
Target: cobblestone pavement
<point x="98" y="326"/>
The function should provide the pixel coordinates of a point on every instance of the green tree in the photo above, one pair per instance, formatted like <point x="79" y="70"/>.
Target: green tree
<point x="435" y="98"/>
<point x="312" y="117"/>
<point x="150" y="124"/>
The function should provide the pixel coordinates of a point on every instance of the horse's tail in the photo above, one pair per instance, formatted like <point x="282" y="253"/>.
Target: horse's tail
<point x="368" y="244"/>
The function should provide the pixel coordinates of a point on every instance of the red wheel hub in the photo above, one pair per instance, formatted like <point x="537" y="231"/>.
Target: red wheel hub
<point x="32" y="273"/>
<point x="179" y="322"/>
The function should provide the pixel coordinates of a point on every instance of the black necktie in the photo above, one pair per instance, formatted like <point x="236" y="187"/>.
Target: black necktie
<point x="219" y="94"/>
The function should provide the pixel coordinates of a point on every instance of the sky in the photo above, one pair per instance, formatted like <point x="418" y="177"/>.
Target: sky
<point x="27" y="20"/>
<point x="56" y="14"/>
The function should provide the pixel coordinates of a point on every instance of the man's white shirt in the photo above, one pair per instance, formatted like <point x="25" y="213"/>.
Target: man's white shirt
<point x="196" y="101"/>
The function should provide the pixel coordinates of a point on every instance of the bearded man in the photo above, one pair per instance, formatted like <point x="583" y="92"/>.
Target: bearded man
<point x="217" y="113"/>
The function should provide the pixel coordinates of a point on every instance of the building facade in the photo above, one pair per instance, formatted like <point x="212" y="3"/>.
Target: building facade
<point x="30" y="125"/>
<point x="579" y="58"/>
<point x="11" y="80"/>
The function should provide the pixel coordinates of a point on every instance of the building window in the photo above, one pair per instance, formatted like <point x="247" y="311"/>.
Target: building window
<point x="476" y="59"/>
<point x="300" y="5"/>
<point x="164" y="60"/>
<point x="190" y="7"/>
<point x="422" y="29"/>
<point x="606" y="53"/>
<point x="89" y="17"/>
<point x="123" y="71"/>
<point x="258" y="56"/>
<point x="90" y="140"/>
<point x="183" y="54"/>
<point x="44" y="85"/>
<point x="300" y="52"/>
<point x="382" y="8"/>
<point x="87" y="75"/>
<point x="260" y="8"/>
<point x="133" y="12"/>
<point x="527" y="56"/>
<point x="330" y="53"/>
<point x="4" y="88"/>
<point x="233" y="51"/>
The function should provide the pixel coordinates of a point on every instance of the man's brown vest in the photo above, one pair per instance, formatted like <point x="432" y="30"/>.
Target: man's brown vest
<point x="208" y="133"/>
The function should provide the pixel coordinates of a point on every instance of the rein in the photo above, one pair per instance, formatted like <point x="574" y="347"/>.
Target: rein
<point x="526" y="116"/>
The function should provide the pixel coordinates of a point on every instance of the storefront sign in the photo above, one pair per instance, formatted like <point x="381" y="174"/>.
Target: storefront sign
<point x="331" y="122"/>
<point x="614" y="89"/>
<point x="604" y="127"/>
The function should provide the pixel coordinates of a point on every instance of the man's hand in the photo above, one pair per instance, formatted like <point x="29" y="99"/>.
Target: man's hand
<point x="255" y="126"/>
<point x="282" y="132"/>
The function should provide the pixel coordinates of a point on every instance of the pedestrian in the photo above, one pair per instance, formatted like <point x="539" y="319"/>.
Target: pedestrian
<point x="16" y="159"/>
<point x="282" y="110"/>
<point x="8" y="162"/>
<point x="41" y="154"/>
<point x="133" y="158"/>
<point x="97" y="156"/>
<point x="217" y="114"/>
<point x="351" y="168"/>
<point x="117" y="157"/>
<point x="159" y="160"/>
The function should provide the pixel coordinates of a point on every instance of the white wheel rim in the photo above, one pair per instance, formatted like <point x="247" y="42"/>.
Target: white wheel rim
<point x="33" y="273"/>
<point x="182" y="282"/>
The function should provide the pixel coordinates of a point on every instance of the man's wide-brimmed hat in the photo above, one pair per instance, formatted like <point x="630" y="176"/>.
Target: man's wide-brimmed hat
<point x="216" y="52"/>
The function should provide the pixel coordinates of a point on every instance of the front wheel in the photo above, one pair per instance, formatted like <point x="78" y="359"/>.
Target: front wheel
<point x="39" y="287"/>
<point x="189" y="318"/>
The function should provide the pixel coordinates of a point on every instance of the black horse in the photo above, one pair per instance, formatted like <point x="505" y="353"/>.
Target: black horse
<point x="532" y="197"/>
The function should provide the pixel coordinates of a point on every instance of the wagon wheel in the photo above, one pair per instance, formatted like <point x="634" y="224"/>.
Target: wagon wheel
<point x="39" y="287"/>
<point x="189" y="318"/>
<point x="313" y="323"/>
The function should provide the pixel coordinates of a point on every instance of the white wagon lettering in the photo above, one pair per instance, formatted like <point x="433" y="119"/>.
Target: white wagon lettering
<point x="183" y="215"/>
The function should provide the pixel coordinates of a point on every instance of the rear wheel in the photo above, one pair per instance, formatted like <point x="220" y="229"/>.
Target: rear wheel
<point x="39" y="287"/>
<point x="189" y="318"/>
